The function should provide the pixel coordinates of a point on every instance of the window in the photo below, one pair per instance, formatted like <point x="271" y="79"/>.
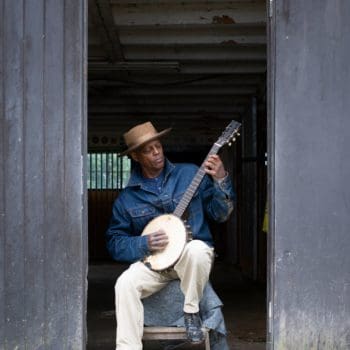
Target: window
<point x="107" y="171"/>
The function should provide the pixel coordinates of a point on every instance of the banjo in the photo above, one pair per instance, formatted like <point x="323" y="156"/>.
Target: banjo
<point x="176" y="229"/>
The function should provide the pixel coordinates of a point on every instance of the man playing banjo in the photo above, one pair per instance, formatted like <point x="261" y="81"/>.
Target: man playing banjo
<point x="155" y="188"/>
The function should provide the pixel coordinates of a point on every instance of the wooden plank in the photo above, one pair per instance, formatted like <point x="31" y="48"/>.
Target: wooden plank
<point x="160" y="109"/>
<point x="185" y="13"/>
<point x="225" y="2"/>
<point x="55" y="221"/>
<point x="169" y="333"/>
<point x="14" y="196"/>
<point x="190" y="52"/>
<point x="169" y="52"/>
<point x="186" y="90"/>
<point x="247" y="33"/>
<point x="177" y="80"/>
<point x="34" y="242"/>
<point x="74" y="181"/>
<point x="164" y="333"/>
<point x="168" y="100"/>
<point x="186" y="67"/>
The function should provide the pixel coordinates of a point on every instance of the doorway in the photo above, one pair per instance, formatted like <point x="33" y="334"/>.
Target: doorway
<point x="193" y="67"/>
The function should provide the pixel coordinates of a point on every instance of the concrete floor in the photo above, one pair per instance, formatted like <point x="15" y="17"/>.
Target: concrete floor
<point x="244" y="308"/>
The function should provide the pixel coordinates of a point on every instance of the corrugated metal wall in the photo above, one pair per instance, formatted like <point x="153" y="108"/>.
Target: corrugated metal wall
<point x="43" y="239"/>
<point x="309" y="175"/>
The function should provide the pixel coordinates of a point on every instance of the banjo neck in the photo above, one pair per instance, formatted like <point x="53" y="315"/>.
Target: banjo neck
<point x="227" y="137"/>
<point x="191" y="189"/>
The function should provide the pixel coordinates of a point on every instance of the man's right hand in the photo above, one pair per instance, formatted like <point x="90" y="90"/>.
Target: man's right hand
<point x="157" y="240"/>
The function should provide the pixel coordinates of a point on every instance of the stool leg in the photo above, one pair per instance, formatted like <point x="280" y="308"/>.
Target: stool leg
<point x="207" y="341"/>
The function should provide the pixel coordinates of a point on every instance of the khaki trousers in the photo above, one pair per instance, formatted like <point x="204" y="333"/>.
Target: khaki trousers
<point x="138" y="282"/>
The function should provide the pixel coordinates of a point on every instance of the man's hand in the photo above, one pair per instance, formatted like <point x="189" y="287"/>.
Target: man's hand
<point x="157" y="240"/>
<point x="214" y="167"/>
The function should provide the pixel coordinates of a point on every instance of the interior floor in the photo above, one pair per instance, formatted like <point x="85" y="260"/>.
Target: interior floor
<point x="244" y="308"/>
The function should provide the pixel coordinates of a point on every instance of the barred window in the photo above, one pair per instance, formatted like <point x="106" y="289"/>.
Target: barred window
<point x="107" y="171"/>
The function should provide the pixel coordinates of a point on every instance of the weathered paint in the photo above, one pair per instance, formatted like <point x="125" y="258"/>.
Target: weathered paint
<point x="309" y="169"/>
<point x="42" y="202"/>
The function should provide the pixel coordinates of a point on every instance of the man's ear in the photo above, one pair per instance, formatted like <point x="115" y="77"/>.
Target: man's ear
<point x="134" y="156"/>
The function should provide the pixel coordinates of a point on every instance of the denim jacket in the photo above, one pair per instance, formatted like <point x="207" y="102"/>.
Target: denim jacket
<point x="137" y="204"/>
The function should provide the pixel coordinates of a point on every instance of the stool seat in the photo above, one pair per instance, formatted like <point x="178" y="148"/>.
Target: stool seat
<point x="172" y="333"/>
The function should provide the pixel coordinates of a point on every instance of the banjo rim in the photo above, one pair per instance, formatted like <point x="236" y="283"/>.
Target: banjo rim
<point x="176" y="231"/>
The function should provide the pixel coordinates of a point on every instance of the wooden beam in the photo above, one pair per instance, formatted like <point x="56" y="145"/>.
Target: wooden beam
<point x="247" y="33"/>
<point x="162" y="109"/>
<point x="175" y="79"/>
<point x="194" y="52"/>
<point x="184" y="90"/>
<point x="101" y="16"/>
<point x="207" y="100"/>
<point x="188" y="67"/>
<point x="167" y="118"/>
<point x="183" y="13"/>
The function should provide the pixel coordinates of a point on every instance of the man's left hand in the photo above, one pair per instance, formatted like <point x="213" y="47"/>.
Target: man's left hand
<point x="214" y="167"/>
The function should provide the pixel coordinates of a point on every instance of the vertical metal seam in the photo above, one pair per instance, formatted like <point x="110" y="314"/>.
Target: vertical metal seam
<point x="45" y="328"/>
<point x="66" y="231"/>
<point x="273" y="175"/>
<point x="2" y="38"/>
<point x="24" y="159"/>
<point x="42" y="236"/>
<point x="270" y="171"/>
<point x="84" y="16"/>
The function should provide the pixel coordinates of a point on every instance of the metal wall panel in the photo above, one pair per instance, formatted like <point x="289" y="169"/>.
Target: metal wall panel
<point x="309" y="174"/>
<point x="42" y="200"/>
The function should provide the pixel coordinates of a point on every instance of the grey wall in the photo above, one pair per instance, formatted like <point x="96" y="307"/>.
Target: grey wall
<point x="309" y="168"/>
<point x="42" y="201"/>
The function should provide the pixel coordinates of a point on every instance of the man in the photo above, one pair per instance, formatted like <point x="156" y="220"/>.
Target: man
<point x="155" y="187"/>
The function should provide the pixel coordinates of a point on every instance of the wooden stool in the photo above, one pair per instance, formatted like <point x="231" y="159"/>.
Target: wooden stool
<point x="172" y="333"/>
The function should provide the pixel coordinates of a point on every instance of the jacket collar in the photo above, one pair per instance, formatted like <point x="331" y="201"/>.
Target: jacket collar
<point x="136" y="178"/>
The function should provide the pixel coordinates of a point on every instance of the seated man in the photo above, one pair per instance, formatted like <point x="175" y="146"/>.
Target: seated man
<point x="155" y="187"/>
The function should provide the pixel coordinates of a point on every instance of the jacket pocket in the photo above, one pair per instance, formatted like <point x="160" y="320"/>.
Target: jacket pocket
<point x="141" y="216"/>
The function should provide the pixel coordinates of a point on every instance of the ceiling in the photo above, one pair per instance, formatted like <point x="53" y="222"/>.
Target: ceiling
<point x="193" y="65"/>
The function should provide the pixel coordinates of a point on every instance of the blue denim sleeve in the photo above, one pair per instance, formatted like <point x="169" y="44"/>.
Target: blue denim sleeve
<point x="219" y="197"/>
<point x="122" y="244"/>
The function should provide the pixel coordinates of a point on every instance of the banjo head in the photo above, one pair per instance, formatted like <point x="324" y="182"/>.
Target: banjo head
<point x="175" y="229"/>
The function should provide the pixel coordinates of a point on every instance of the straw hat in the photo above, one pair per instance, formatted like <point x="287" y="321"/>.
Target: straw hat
<point x="141" y="134"/>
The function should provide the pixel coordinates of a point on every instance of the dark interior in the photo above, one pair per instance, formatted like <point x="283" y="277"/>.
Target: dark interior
<point x="193" y="66"/>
